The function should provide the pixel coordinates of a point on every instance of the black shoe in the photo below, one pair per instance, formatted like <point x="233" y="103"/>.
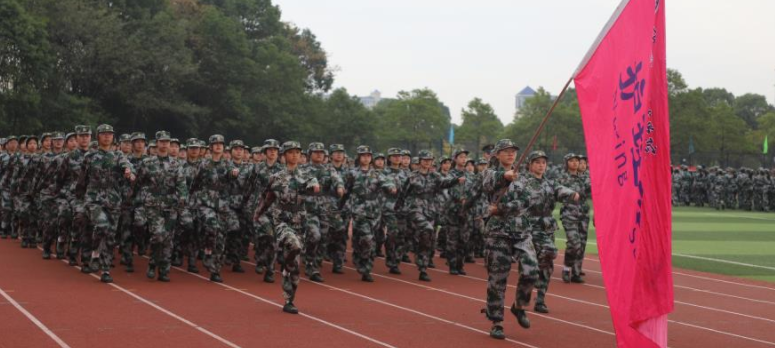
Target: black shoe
<point x="541" y="308"/>
<point x="290" y="308"/>
<point x="192" y="269"/>
<point x="431" y="264"/>
<point x="406" y="259"/>
<point x="424" y="277"/>
<point x="469" y="259"/>
<point x="130" y="268"/>
<point x="46" y="254"/>
<point x="566" y="277"/>
<point x="163" y="277"/>
<point x="5" y="236"/>
<point x="244" y="258"/>
<point x="151" y="273"/>
<point x="215" y="277"/>
<point x="380" y="254"/>
<point x="338" y="270"/>
<point x="461" y="272"/>
<point x="316" y="278"/>
<point x="60" y="256"/>
<point x="453" y="271"/>
<point x="237" y="268"/>
<point x="497" y="332"/>
<point x="268" y="278"/>
<point x="394" y="270"/>
<point x="24" y="244"/>
<point x="260" y="269"/>
<point x="582" y="273"/>
<point x="176" y="263"/>
<point x="72" y="262"/>
<point x="577" y="280"/>
<point x="85" y="269"/>
<point x="521" y="316"/>
<point x="106" y="278"/>
<point x="367" y="278"/>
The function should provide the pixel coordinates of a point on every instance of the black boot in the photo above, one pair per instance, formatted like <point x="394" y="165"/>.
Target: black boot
<point x="541" y="308"/>
<point x="566" y="276"/>
<point x="106" y="278"/>
<point x="151" y="272"/>
<point x="497" y="332"/>
<point x="290" y="308"/>
<point x="394" y="270"/>
<point x="215" y="277"/>
<point x="316" y="278"/>
<point x="366" y="277"/>
<point x="424" y="277"/>
<point x="237" y="268"/>
<point x="46" y="254"/>
<point x="163" y="277"/>
<point x="338" y="270"/>
<point x="269" y="277"/>
<point x="521" y="316"/>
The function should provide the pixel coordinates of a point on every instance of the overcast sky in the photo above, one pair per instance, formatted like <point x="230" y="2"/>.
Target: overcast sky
<point x="491" y="49"/>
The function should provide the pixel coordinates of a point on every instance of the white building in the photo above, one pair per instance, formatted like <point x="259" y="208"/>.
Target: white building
<point x="372" y="100"/>
<point x="525" y="94"/>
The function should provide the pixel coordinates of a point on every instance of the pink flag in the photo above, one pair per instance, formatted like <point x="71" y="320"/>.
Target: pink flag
<point x="622" y="91"/>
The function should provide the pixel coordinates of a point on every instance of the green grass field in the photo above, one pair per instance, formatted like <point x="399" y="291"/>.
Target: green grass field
<point x="726" y="237"/>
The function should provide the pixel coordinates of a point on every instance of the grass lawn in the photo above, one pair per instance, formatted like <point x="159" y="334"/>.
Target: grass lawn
<point x="734" y="236"/>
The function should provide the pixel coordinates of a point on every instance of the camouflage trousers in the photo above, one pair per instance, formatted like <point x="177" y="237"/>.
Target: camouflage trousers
<point x="364" y="243"/>
<point x="289" y="244"/>
<point x="423" y="238"/>
<point x="546" y="252"/>
<point x="313" y="237"/>
<point x="395" y="238"/>
<point x="187" y="238"/>
<point x="7" y="208"/>
<point x="234" y="239"/>
<point x="103" y="233"/>
<point x="575" y="232"/>
<point x="140" y="235"/>
<point x="264" y="243"/>
<point x="337" y="238"/>
<point x="746" y="198"/>
<point x="475" y="247"/>
<point x="80" y="234"/>
<point x="125" y="234"/>
<point x="758" y="199"/>
<point x="215" y="225"/>
<point x="48" y="221"/>
<point x="458" y="238"/>
<point x="26" y="213"/>
<point x="161" y="225"/>
<point x="499" y="251"/>
<point x="63" y="223"/>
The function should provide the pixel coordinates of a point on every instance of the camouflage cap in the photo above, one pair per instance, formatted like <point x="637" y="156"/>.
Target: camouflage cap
<point x="458" y="152"/>
<point x="444" y="159"/>
<point x="236" y="143"/>
<point x="57" y="136"/>
<point x="192" y="142"/>
<point x="425" y="154"/>
<point x="183" y="148"/>
<point x="31" y="137"/>
<point x="175" y="141"/>
<point x="3" y="141"/>
<point x="363" y="149"/>
<point x="93" y="144"/>
<point x="202" y="144"/>
<point x="82" y="129"/>
<point x="45" y="135"/>
<point x="316" y="146"/>
<point x="406" y="153"/>
<point x="571" y="155"/>
<point x="394" y="151"/>
<point x="163" y="136"/>
<point x="290" y="145"/>
<point x="11" y="138"/>
<point x="216" y="138"/>
<point x="125" y="138"/>
<point x="536" y="155"/>
<point x="270" y="144"/>
<point x="335" y="147"/>
<point x="152" y="143"/>
<point x="105" y="128"/>
<point x="379" y="155"/>
<point x="504" y="144"/>
<point x="23" y="139"/>
<point x="255" y="149"/>
<point x="138" y="136"/>
<point x="582" y="157"/>
<point x="488" y="148"/>
<point x="415" y="160"/>
<point x="68" y="136"/>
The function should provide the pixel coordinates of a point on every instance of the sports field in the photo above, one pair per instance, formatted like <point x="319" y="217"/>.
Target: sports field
<point x="731" y="242"/>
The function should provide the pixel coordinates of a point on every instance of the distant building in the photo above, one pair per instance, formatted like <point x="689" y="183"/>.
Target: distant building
<point x="372" y="100"/>
<point x="523" y="95"/>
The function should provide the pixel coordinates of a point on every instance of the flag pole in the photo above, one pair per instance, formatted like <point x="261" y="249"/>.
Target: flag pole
<point x="541" y="126"/>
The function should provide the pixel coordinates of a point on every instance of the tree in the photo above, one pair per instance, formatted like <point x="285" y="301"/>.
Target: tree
<point x="750" y="106"/>
<point x="480" y="126"/>
<point x="415" y="120"/>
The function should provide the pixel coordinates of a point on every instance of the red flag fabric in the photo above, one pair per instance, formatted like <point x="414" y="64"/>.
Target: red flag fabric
<point x="554" y="143"/>
<point x="622" y="92"/>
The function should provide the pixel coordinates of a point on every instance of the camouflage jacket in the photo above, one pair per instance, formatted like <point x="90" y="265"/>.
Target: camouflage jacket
<point x="458" y="195"/>
<point x="237" y="193"/>
<point x="46" y="181"/>
<point x="365" y="187"/>
<point x="5" y="169"/>
<point x="24" y="174"/>
<point x="100" y="177"/>
<point x="69" y="171"/>
<point x="289" y="188"/>
<point x="421" y="190"/>
<point x="210" y="186"/>
<point x="398" y="176"/>
<point x="575" y="210"/>
<point x="544" y="193"/>
<point x="256" y="180"/>
<point x="188" y="170"/>
<point x="493" y="181"/>
<point x="329" y="181"/>
<point x="160" y="183"/>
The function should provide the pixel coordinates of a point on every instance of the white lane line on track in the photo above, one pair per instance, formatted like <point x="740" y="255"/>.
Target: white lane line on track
<point x="34" y="320"/>
<point x="165" y="311"/>
<point x="415" y="312"/>
<point x="327" y="323"/>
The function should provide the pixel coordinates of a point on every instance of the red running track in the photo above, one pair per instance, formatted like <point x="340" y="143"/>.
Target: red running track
<point x="76" y="310"/>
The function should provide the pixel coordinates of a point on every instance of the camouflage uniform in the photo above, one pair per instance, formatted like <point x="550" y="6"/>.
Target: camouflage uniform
<point x="420" y="193"/>
<point x="686" y="186"/>
<point x="507" y="238"/>
<point x="22" y="184"/>
<point x="98" y="186"/>
<point x="320" y="206"/>
<point x="73" y="218"/>
<point x="188" y="238"/>
<point x="48" y="197"/>
<point x="257" y="181"/>
<point x="210" y="189"/>
<point x="338" y="219"/>
<point x="458" y="233"/>
<point x="288" y="215"/>
<point x="364" y="188"/>
<point x="6" y="171"/>
<point x="745" y="184"/>
<point x="235" y="238"/>
<point x="162" y="189"/>
<point x="394" y="220"/>
<point x="759" y="189"/>
<point x="133" y="220"/>
<point x="575" y="221"/>
<point x="730" y="189"/>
